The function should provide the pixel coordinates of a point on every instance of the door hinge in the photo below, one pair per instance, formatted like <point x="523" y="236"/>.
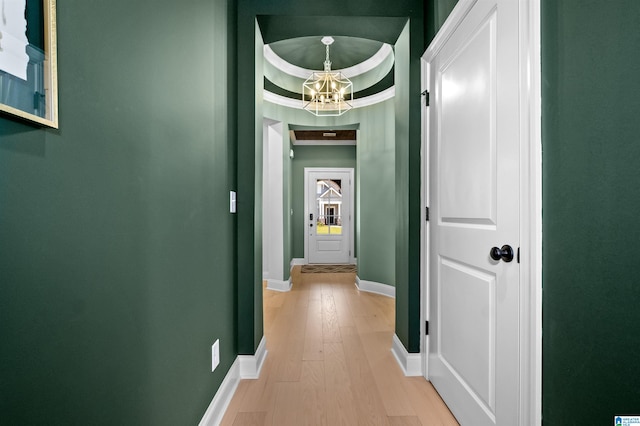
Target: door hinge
<point x="426" y="98"/>
<point x="426" y="328"/>
<point x="426" y="214"/>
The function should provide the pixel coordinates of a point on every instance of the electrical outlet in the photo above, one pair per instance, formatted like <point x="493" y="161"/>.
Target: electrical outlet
<point x="215" y="355"/>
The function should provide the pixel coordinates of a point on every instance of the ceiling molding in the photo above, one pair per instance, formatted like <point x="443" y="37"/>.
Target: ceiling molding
<point x="356" y="103"/>
<point x="385" y="95"/>
<point x="284" y="66"/>
<point x="350" y="72"/>
<point x="281" y="100"/>
<point x="370" y="63"/>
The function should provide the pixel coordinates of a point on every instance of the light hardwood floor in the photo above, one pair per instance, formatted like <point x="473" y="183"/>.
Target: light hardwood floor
<point x="330" y="362"/>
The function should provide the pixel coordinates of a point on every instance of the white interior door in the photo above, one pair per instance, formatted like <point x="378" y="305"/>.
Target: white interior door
<point x="474" y="194"/>
<point x="327" y="222"/>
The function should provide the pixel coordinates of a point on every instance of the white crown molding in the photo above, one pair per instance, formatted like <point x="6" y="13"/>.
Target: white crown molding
<point x="350" y="72"/>
<point x="356" y="103"/>
<point x="369" y="64"/>
<point x="281" y="100"/>
<point x="385" y="95"/>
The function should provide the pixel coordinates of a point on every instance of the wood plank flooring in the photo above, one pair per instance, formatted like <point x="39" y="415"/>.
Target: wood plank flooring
<point x="330" y="362"/>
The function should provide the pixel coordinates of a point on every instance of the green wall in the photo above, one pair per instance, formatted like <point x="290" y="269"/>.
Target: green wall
<point x="116" y="245"/>
<point x="436" y="13"/>
<point x="373" y="159"/>
<point x="408" y="106"/>
<point x="376" y="189"/>
<point x="312" y="156"/>
<point x="590" y="197"/>
<point x="402" y="196"/>
<point x="355" y="19"/>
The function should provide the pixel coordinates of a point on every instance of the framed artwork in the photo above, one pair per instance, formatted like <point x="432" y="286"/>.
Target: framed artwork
<point x="28" y="69"/>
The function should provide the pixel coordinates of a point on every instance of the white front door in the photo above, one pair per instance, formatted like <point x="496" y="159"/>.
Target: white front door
<point x="328" y="215"/>
<point x="474" y="176"/>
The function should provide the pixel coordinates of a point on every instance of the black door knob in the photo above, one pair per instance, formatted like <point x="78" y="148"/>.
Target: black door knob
<point x="505" y="253"/>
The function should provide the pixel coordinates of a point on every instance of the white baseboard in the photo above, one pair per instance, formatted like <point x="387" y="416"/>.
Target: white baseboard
<point x="411" y="364"/>
<point x="244" y="367"/>
<point x="214" y="414"/>
<point x="377" y="288"/>
<point x="251" y="365"/>
<point x="297" y="262"/>
<point x="278" y="285"/>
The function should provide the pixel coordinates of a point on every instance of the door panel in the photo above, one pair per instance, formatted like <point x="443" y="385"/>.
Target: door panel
<point x="468" y="327"/>
<point x="468" y="170"/>
<point x="328" y="210"/>
<point x="474" y="192"/>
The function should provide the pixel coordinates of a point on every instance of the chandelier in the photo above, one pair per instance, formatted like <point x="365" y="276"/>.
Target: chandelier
<point x="328" y="92"/>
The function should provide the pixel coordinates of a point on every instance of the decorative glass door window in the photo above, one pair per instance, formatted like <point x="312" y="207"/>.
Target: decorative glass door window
<point x="329" y="207"/>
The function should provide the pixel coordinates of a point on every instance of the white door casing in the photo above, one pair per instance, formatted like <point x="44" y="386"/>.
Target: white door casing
<point x="328" y="216"/>
<point x="474" y="133"/>
<point x="272" y="202"/>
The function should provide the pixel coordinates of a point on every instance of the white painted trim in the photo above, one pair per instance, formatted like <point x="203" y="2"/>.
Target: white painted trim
<point x="296" y="261"/>
<point x="216" y="410"/>
<point x="531" y="215"/>
<point x="411" y="364"/>
<point x="425" y="228"/>
<point x="461" y="9"/>
<point x="350" y="72"/>
<point x="244" y="367"/>
<point x="281" y="100"/>
<point x="374" y="287"/>
<point x="279" y="285"/>
<point x="251" y="365"/>
<point x="284" y="66"/>
<point x="356" y="103"/>
<point x="385" y="95"/>
<point x="272" y="212"/>
<point x="370" y="64"/>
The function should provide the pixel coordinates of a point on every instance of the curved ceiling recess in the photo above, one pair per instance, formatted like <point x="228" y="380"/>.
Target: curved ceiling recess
<point x="367" y="63"/>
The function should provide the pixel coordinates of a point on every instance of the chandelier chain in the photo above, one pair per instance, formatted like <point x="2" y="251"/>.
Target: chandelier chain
<point x="327" y="62"/>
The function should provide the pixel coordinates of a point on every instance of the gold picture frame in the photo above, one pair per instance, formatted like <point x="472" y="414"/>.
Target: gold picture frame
<point x="28" y="63"/>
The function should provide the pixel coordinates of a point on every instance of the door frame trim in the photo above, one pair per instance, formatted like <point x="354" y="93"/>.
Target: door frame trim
<point x="530" y="345"/>
<point x="329" y="170"/>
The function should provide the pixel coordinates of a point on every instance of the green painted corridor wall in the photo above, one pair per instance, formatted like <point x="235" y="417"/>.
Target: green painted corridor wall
<point x="369" y="21"/>
<point x="374" y="163"/>
<point x="436" y="13"/>
<point x="591" y="229"/>
<point x="117" y="269"/>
